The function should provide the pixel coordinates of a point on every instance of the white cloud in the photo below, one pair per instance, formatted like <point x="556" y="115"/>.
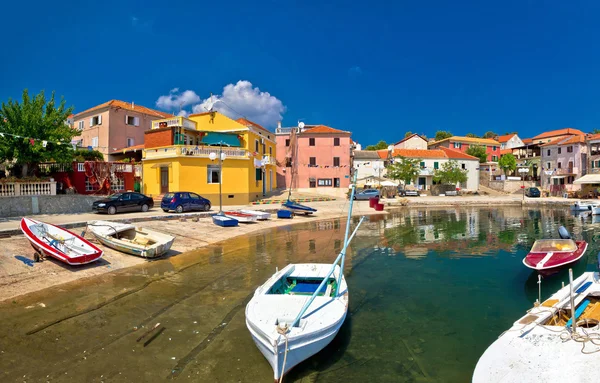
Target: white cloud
<point x="175" y="100"/>
<point x="183" y="113"/>
<point x="244" y="100"/>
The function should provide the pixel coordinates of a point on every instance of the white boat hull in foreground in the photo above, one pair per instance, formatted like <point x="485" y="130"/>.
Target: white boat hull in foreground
<point x="539" y="347"/>
<point x="275" y="303"/>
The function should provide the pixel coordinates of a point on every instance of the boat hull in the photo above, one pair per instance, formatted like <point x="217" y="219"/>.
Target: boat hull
<point x="153" y="252"/>
<point x="241" y="217"/>
<point x="224" y="221"/>
<point x="297" y="208"/>
<point x="550" y="262"/>
<point x="92" y="254"/>
<point x="260" y="215"/>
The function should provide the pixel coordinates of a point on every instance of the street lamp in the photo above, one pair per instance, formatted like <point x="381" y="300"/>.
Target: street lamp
<point x="523" y="171"/>
<point x="222" y="158"/>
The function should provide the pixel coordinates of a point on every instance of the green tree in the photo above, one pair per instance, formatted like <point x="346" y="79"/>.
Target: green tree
<point x="489" y="134"/>
<point x="450" y="173"/>
<point x="479" y="152"/>
<point x="508" y="163"/>
<point x="404" y="169"/>
<point x="596" y="131"/>
<point x="472" y="135"/>
<point x="38" y="119"/>
<point x="87" y="155"/>
<point x="442" y="134"/>
<point x="380" y="145"/>
<point x="408" y="134"/>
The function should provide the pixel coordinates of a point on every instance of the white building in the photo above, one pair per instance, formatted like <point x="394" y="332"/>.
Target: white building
<point x="412" y="142"/>
<point x="368" y="166"/>
<point x="509" y="141"/>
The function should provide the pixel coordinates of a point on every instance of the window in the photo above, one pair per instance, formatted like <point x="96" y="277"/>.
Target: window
<point x="96" y="120"/>
<point x="598" y="164"/>
<point x="287" y="142"/>
<point x="548" y="165"/>
<point x="548" y="151"/>
<point x="494" y="158"/>
<point x="213" y="174"/>
<point x="336" y="161"/>
<point x="570" y="179"/>
<point x="90" y="187"/>
<point x="130" y="142"/>
<point x="313" y="161"/>
<point x="336" y="141"/>
<point x="559" y="150"/>
<point x="493" y="148"/>
<point x="258" y="174"/>
<point x="133" y="121"/>
<point x="117" y="184"/>
<point x="569" y="149"/>
<point x="256" y="146"/>
<point x="336" y="182"/>
<point x="126" y="196"/>
<point x="80" y="125"/>
<point x="270" y="150"/>
<point x="559" y="165"/>
<point x="324" y="182"/>
<point x="312" y="183"/>
<point x="422" y="164"/>
<point x="288" y="162"/>
<point x="94" y="142"/>
<point x="457" y="145"/>
<point x="311" y="142"/>
<point x="463" y="166"/>
<point x="436" y="165"/>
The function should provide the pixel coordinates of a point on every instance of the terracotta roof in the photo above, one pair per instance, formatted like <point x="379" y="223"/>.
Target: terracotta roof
<point x="573" y="140"/>
<point x="366" y="155"/>
<point x="456" y="155"/>
<point x="322" y="129"/>
<point x="593" y="136"/>
<point x="409" y="137"/>
<point x="246" y="122"/>
<point x="559" y="132"/>
<point x="527" y="140"/>
<point x="505" y="151"/>
<point x="128" y="149"/>
<point x="413" y="153"/>
<point x="128" y="106"/>
<point x="469" y="140"/>
<point x="505" y="138"/>
<point x="555" y="141"/>
<point x="71" y="115"/>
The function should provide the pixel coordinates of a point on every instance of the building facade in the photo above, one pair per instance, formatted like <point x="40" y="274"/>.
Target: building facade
<point x="178" y="156"/>
<point x="313" y="157"/>
<point x="563" y="161"/>
<point x="509" y="141"/>
<point x="413" y="141"/>
<point x="369" y="167"/>
<point x="462" y="144"/>
<point x="113" y="126"/>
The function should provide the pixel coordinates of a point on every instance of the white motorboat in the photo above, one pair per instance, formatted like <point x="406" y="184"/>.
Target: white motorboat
<point x="260" y="215"/>
<point x="595" y="209"/>
<point x="131" y="239"/>
<point x="584" y="205"/>
<point x="546" y="344"/>
<point x="299" y="310"/>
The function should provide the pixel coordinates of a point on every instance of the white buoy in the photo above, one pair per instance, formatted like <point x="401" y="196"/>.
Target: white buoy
<point x="573" y="324"/>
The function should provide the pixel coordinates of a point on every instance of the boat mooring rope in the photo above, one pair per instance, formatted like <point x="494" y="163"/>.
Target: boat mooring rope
<point x="283" y="331"/>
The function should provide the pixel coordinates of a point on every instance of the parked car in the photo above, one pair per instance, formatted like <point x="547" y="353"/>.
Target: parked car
<point x="122" y="202"/>
<point x="366" y="194"/>
<point x="408" y="193"/>
<point x="184" y="201"/>
<point x="532" y="192"/>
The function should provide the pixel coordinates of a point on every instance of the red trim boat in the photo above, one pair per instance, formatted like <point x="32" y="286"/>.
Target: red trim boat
<point x="241" y="217"/>
<point x="59" y="243"/>
<point x="548" y="255"/>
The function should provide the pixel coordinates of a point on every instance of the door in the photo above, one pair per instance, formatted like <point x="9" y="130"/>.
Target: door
<point x="422" y="183"/>
<point x="186" y="202"/>
<point x="270" y="180"/>
<point x="196" y="202"/>
<point x="264" y="183"/>
<point x="126" y="203"/>
<point x="336" y="182"/>
<point x="164" y="180"/>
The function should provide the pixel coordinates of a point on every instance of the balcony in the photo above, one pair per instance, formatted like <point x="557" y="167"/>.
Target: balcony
<point x="567" y="171"/>
<point x="179" y="122"/>
<point x="193" y="151"/>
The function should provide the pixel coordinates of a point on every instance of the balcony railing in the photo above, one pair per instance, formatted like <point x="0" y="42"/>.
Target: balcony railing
<point x="15" y="189"/>
<point x="194" y="151"/>
<point x="174" y="122"/>
<point x="567" y="171"/>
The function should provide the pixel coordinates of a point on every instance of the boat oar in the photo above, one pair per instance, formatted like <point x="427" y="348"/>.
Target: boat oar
<point x="148" y="332"/>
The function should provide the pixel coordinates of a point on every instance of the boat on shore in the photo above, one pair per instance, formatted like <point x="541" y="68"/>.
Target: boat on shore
<point x="52" y="241"/>
<point x="584" y="205"/>
<point x="240" y="216"/>
<point x="260" y="215"/>
<point x="130" y="239"/>
<point x="297" y="208"/>
<point x="224" y="221"/>
<point x="552" y="342"/>
<point x="299" y="310"/>
<point x="548" y="255"/>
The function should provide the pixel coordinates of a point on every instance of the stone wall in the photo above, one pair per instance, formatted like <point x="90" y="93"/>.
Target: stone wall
<point x="441" y="189"/>
<point x="510" y="186"/>
<point x="50" y="204"/>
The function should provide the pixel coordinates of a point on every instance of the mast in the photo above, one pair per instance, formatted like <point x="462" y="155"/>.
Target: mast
<point x="346" y="241"/>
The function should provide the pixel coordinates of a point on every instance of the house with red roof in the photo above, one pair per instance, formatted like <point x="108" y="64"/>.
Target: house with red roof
<point x="462" y="144"/>
<point x="554" y="135"/>
<point x="433" y="159"/>
<point x="114" y="126"/>
<point x="563" y="160"/>
<point x="316" y="158"/>
<point x="414" y="141"/>
<point x="509" y="141"/>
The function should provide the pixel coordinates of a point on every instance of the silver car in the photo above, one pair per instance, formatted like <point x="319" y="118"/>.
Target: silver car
<point x="366" y="194"/>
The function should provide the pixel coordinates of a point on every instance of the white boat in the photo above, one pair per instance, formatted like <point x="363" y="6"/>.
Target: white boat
<point x="299" y="310"/>
<point x="239" y="216"/>
<point x="595" y="209"/>
<point x="584" y="205"/>
<point x="130" y="239"/>
<point x="260" y="215"/>
<point x="544" y="346"/>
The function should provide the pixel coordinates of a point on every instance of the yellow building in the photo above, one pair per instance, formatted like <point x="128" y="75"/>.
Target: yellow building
<point x="177" y="157"/>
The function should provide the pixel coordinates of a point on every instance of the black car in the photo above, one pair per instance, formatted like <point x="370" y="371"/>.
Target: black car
<point x="122" y="202"/>
<point x="532" y="192"/>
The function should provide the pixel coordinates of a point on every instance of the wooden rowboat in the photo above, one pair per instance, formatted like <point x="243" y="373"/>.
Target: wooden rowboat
<point x="241" y="217"/>
<point x="260" y="215"/>
<point x="53" y="241"/>
<point x="130" y="239"/>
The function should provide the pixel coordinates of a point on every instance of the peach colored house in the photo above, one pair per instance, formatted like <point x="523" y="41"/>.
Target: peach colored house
<point x="317" y="155"/>
<point x="114" y="126"/>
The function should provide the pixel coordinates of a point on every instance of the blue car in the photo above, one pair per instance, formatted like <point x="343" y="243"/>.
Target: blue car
<point x="184" y="201"/>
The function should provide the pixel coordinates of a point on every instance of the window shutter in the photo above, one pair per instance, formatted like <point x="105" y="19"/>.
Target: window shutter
<point x="99" y="119"/>
<point x="136" y="121"/>
<point x="126" y="119"/>
<point x="91" y="121"/>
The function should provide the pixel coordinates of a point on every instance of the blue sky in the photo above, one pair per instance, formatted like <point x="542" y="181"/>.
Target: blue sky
<point x="378" y="69"/>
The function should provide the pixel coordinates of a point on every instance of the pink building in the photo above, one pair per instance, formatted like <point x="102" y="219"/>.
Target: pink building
<point x="114" y="126"/>
<point x="317" y="155"/>
<point x="462" y="144"/>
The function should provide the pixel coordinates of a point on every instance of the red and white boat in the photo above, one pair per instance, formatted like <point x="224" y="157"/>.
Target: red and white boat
<point x="548" y="255"/>
<point x="241" y="217"/>
<point x="59" y="243"/>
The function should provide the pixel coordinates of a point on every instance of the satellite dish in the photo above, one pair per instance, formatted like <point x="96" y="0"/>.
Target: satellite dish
<point x="390" y="148"/>
<point x="301" y="124"/>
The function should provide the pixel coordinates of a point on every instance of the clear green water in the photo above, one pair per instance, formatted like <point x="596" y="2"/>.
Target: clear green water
<point x="429" y="291"/>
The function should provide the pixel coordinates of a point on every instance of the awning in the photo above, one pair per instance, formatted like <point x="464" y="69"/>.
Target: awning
<point x="553" y="177"/>
<point x="215" y="138"/>
<point x="162" y="165"/>
<point x="588" y="179"/>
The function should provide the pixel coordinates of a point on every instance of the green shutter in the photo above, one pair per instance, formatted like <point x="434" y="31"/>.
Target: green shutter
<point x="423" y="165"/>
<point x="435" y="165"/>
<point x="258" y="174"/>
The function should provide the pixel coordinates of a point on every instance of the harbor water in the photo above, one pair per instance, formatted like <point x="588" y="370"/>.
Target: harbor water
<point x="430" y="290"/>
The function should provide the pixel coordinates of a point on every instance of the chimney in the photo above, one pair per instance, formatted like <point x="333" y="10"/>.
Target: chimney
<point x="278" y="124"/>
<point x="132" y="105"/>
